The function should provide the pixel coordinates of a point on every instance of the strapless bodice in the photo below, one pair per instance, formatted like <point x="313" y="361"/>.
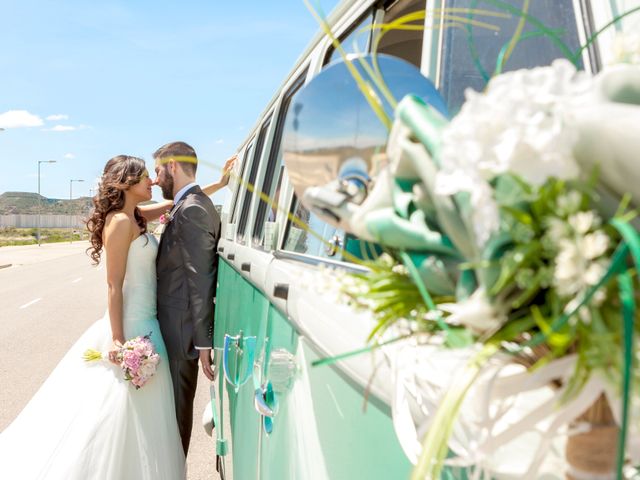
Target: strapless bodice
<point x="139" y="289"/>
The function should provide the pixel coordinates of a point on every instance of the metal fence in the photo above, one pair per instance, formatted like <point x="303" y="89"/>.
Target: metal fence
<point x="46" y="221"/>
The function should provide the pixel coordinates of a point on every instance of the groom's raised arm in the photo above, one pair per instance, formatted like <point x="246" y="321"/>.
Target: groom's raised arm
<point x="197" y="244"/>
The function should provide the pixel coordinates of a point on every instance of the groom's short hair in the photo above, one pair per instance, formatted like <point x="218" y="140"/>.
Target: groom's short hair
<point x="182" y="153"/>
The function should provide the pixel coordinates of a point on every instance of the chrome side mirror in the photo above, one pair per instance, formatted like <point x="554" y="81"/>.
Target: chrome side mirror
<point x="334" y="144"/>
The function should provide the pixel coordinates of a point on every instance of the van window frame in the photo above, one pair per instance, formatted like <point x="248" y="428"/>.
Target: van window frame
<point x="371" y="11"/>
<point x="243" y="220"/>
<point x="239" y="191"/>
<point x="272" y="167"/>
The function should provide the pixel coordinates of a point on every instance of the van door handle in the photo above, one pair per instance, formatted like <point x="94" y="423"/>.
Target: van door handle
<point x="281" y="290"/>
<point x="231" y="256"/>
<point x="246" y="267"/>
<point x="220" y="249"/>
<point x="260" y="403"/>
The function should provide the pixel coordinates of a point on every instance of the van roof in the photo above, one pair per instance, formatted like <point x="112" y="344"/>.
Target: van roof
<point x="336" y="14"/>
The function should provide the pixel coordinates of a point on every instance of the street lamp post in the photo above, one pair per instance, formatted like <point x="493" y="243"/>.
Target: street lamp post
<point x="71" y="198"/>
<point x="40" y="198"/>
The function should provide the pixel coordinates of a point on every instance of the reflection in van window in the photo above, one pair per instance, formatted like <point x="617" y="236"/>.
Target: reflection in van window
<point x="405" y="44"/>
<point x="469" y="54"/>
<point x="305" y="239"/>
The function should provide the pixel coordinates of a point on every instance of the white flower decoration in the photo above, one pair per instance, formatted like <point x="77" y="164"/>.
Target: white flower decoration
<point x="475" y="313"/>
<point x="515" y="126"/>
<point x="594" y="245"/>
<point x="582" y="222"/>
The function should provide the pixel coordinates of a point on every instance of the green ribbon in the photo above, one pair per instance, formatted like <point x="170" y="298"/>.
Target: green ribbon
<point x="353" y="353"/>
<point x="625" y="285"/>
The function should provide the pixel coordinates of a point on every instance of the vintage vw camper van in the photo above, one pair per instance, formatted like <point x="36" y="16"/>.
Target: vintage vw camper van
<point x="292" y="418"/>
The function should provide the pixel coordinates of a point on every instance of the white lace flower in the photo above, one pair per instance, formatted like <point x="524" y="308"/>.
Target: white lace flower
<point x="515" y="126"/>
<point x="595" y="272"/>
<point x="475" y="313"/>
<point x="582" y="222"/>
<point x="594" y="245"/>
<point x="568" y="271"/>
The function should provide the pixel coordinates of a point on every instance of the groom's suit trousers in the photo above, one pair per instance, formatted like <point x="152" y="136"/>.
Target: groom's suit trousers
<point x="184" y="374"/>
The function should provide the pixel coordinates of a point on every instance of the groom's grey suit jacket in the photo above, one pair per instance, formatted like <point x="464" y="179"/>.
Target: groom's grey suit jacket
<point x="186" y="267"/>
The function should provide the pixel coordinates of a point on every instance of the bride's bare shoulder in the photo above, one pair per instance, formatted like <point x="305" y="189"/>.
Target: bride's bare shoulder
<point x="118" y="224"/>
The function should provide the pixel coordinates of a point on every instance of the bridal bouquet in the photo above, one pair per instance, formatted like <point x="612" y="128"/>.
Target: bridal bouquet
<point x="137" y="359"/>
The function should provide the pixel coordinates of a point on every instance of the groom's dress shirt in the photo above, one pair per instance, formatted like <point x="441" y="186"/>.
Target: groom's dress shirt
<point x="181" y="192"/>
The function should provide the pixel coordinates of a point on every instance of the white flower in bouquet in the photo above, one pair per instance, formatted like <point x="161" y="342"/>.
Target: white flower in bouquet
<point x="581" y="260"/>
<point x="594" y="245"/>
<point x="582" y="222"/>
<point x="476" y="313"/>
<point x="516" y="126"/>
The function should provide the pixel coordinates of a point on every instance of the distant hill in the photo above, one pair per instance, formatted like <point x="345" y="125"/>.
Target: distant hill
<point x="25" y="203"/>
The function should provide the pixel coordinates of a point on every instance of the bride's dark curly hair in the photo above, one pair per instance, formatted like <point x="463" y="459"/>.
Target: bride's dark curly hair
<point x="119" y="174"/>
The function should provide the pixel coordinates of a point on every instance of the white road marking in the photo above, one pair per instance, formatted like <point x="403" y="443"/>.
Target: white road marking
<point x="30" y="303"/>
<point x="77" y="280"/>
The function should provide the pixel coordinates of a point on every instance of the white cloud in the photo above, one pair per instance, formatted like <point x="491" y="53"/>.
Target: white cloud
<point x="18" y="119"/>
<point x="62" y="128"/>
<point x="219" y="141"/>
<point x="70" y="156"/>
<point x="66" y="128"/>
<point x="57" y="117"/>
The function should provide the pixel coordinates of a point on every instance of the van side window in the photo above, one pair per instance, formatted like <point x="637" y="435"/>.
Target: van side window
<point x="403" y="43"/>
<point x="356" y="39"/>
<point x="240" y="188"/>
<point x="275" y="158"/>
<point x="251" y="181"/>
<point x="469" y="54"/>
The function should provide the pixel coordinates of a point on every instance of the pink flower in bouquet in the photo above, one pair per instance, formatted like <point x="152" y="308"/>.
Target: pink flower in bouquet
<point x="131" y="360"/>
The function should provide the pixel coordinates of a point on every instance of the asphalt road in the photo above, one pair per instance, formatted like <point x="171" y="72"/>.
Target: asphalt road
<point x="48" y="298"/>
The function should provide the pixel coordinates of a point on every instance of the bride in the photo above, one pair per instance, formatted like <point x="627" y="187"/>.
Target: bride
<point x="86" y="421"/>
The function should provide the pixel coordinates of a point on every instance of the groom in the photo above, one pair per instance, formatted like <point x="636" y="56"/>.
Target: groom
<point x="186" y="268"/>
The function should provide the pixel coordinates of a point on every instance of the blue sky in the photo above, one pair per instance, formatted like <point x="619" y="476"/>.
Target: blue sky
<point x="83" y="81"/>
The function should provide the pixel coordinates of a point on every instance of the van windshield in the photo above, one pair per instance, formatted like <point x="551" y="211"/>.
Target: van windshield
<point x="472" y="49"/>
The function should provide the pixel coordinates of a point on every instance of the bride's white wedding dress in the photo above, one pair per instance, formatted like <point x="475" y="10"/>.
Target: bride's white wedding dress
<point x="86" y="421"/>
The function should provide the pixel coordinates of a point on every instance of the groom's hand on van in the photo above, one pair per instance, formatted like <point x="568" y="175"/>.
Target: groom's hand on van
<point x="208" y="367"/>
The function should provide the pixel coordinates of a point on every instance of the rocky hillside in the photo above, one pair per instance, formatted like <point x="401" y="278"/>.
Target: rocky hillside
<point x="25" y="203"/>
<point x="21" y="203"/>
